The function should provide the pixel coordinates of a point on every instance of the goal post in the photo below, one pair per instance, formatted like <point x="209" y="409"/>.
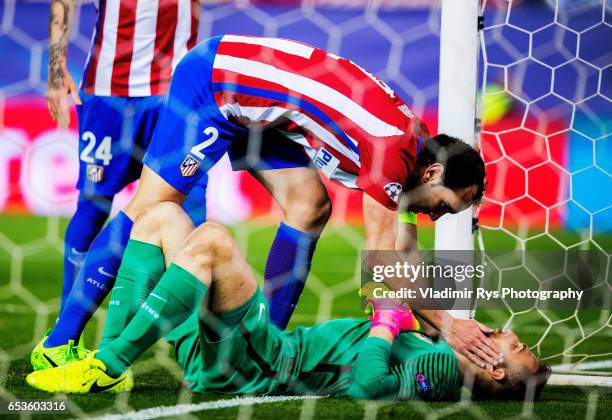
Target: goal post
<point x="520" y="49"/>
<point x="458" y="86"/>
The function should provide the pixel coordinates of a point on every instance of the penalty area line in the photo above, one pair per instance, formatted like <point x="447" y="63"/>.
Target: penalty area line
<point x="175" y="410"/>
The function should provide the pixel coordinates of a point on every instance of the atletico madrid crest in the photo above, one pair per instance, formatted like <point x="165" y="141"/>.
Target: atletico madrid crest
<point x="189" y="166"/>
<point x="95" y="173"/>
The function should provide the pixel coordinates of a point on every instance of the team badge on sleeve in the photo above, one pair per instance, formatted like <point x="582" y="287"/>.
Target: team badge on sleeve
<point x="95" y="173"/>
<point x="189" y="166"/>
<point x="394" y="190"/>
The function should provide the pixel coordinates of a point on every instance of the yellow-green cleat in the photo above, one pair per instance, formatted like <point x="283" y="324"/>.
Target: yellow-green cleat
<point x="46" y="358"/>
<point x="86" y="376"/>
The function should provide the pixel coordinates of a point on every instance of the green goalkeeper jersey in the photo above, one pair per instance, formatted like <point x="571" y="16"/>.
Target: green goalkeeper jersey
<point x="257" y="357"/>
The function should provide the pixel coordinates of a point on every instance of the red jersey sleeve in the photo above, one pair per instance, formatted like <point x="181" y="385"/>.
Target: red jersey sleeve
<point x="386" y="164"/>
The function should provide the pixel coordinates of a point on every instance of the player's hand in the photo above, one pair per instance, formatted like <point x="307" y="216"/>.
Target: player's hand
<point x="395" y="320"/>
<point x="59" y="85"/>
<point x="468" y="337"/>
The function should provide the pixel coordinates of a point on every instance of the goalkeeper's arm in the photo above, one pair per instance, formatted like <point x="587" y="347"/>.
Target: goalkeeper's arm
<point x="371" y="377"/>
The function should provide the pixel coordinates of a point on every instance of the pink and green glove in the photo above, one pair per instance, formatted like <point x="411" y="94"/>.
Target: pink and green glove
<point x="395" y="320"/>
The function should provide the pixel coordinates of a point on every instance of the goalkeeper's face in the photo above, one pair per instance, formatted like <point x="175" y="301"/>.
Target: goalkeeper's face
<point x="520" y="374"/>
<point x="516" y="354"/>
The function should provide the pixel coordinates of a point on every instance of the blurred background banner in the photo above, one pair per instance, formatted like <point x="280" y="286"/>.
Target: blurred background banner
<point x="547" y="81"/>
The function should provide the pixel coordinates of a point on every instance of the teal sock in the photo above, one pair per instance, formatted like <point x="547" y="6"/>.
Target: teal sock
<point x="177" y="295"/>
<point x="141" y="268"/>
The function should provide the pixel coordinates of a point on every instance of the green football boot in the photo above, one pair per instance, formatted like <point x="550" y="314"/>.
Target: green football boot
<point x="45" y="358"/>
<point x="86" y="376"/>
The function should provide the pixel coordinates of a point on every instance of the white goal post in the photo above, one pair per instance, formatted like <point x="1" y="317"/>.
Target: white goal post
<point x="458" y="86"/>
<point x="458" y="116"/>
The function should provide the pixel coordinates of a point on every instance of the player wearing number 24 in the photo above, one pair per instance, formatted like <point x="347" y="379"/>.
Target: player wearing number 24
<point x="118" y="104"/>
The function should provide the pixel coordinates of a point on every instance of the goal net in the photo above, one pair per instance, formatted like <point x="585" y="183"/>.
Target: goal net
<point x="545" y="137"/>
<point x="544" y="89"/>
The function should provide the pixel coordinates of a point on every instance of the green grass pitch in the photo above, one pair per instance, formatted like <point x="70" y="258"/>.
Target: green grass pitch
<point x="30" y="282"/>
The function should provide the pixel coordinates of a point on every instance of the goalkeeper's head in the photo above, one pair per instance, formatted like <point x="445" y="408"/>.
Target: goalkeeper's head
<point x="520" y="377"/>
<point x="448" y="177"/>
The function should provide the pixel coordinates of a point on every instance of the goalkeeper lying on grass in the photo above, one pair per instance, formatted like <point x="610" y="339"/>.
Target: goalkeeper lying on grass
<point x="210" y="309"/>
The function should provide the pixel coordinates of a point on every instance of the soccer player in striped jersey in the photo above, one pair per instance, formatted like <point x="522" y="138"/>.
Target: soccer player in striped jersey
<point x="135" y="46"/>
<point x="285" y="111"/>
<point x="208" y="306"/>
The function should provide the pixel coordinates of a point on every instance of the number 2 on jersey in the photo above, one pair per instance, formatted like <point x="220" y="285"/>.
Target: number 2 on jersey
<point x="102" y="152"/>
<point x="213" y="134"/>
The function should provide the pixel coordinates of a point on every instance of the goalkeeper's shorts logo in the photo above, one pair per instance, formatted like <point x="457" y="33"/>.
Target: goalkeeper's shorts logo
<point x="95" y="173"/>
<point x="189" y="166"/>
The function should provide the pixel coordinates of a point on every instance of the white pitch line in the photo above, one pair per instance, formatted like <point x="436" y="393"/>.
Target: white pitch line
<point x="600" y="364"/>
<point x="579" y="380"/>
<point x="175" y="410"/>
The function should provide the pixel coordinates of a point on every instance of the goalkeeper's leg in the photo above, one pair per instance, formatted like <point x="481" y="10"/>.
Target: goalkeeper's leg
<point x="154" y="241"/>
<point x="208" y="255"/>
<point x="99" y="270"/>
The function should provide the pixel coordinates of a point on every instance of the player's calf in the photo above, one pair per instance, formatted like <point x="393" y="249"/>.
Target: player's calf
<point x="308" y="208"/>
<point x="155" y="238"/>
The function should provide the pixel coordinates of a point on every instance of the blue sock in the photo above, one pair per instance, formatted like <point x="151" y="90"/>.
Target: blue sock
<point x="286" y="271"/>
<point x="93" y="282"/>
<point x="86" y="222"/>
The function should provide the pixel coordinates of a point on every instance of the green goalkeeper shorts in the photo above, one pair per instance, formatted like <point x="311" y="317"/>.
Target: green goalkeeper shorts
<point x="252" y="357"/>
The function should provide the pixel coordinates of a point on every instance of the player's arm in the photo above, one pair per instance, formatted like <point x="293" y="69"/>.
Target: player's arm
<point x="370" y="377"/>
<point x="380" y="225"/>
<point x="468" y="337"/>
<point x="387" y="229"/>
<point x="406" y="240"/>
<point x="59" y="82"/>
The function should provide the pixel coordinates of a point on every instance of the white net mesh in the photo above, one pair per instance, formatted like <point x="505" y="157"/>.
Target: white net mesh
<point x="546" y="130"/>
<point x="545" y="140"/>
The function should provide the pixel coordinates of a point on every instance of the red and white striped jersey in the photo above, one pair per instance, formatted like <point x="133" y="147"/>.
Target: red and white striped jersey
<point x="353" y="126"/>
<point x="137" y="43"/>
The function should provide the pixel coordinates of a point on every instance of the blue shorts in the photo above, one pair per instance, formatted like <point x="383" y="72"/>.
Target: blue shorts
<point x="114" y="133"/>
<point x="193" y="134"/>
